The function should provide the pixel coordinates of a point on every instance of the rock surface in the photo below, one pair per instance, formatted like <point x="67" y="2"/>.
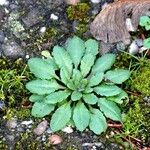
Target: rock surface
<point x="11" y="49"/>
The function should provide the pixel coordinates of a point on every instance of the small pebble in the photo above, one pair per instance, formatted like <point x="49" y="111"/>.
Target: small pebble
<point x="43" y="138"/>
<point x="49" y="131"/>
<point x="27" y="56"/>
<point x="133" y="48"/>
<point x="55" y="139"/>
<point x="96" y="1"/>
<point x="42" y="29"/>
<point x="6" y="11"/>
<point x="129" y="25"/>
<point x="72" y="2"/>
<point x="4" y="2"/>
<point x="27" y="122"/>
<point x="41" y="128"/>
<point x="139" y="42"/>
<point x="67" y="130"/>
<point x="54" y="17"/>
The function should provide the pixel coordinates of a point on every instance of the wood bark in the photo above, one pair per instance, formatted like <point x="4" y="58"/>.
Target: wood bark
<point x="109" y="25"/>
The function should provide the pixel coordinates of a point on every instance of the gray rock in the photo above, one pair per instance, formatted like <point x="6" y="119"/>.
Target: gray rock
<point x="56" y="3"/>
<point x="2" y="36"/>
<point x="21" y="129"/>
<point x="11" y="124"/>
<point x="11" y="137"/>
<point x="13" y="6"/>
<point x="113" y="146"/>
<point x="2" y="14"/>
<point x="33" y="17"/>
<point x="41" y="128"/>
<point x="0" y="50"/>
<point x="11" y="49"/>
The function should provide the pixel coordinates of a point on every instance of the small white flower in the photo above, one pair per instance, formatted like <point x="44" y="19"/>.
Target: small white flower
<point x="54" y="17"/>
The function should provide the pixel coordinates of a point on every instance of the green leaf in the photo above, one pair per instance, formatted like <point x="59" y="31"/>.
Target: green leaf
<point x="62" y="58"/>
<point x="91" y="47"/>
<point x="81" y="116"/>
<point x="107" y="90"/>
<point x="147" y="43"/>
<point x="42" y="87"/>
<point x="98" y="122"/>
<point x="96" y="79"/>
<point x="90" y="98"/>
<point x="76" y="49"/>
<point x="65" y="75"/>
<point x="145" y="22"/>
<point x="61" y="117"/>
<point x="46" y="54"/>
<point x="117" y="76"/>
<point x="104" y="63"/>
<point x="57" y="97"/>
<point x="52" y="63"/>
<point x="40" y="68"/>
<point x="76" y="77"/>
<point x="110" y="109"/>
<point x="71" y="85"/>
<point x="75" y="96"/>
<point x="41" y="109"/>
<point x="119" y="98"/>
<point x="88" y="90"/>
<point x="36" y="98"/>
<point x="83" y="84"/>
<point x="86" y="64"/>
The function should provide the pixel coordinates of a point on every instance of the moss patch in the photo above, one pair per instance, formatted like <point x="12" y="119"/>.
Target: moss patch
<point x="79" y="13"/>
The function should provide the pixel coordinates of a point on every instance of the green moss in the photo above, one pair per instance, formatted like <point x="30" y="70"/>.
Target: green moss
<point x="3" y="145"/>
<point x="20" y="114"/>
<point x="30" y="144"/>
<point x="140" y="77"/>
<point x="49" y="35"/>
<point x="137" y="121"/>
<point x="13" y="75"/>
<point x="71" y="148"/>
<point x="78" y="12"/>
<point x="141" y="81"/>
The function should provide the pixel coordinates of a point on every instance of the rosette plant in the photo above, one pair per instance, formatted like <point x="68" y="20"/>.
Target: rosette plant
<point x="77" y="87"/>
